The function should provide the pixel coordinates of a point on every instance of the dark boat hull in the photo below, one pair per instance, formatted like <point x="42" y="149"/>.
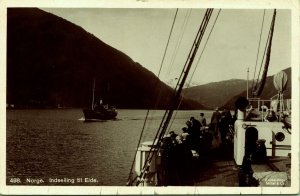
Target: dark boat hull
<point x="92" y="115"/>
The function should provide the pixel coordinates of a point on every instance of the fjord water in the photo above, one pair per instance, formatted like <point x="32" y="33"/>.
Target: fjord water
<point x="56" y="147"/>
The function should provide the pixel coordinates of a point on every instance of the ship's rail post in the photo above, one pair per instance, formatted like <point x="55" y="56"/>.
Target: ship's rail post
<point x="262" y="111"/>
<point x="150" y="178"/>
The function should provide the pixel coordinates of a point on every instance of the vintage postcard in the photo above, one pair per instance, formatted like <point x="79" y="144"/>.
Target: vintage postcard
<point x="149" y="97"/>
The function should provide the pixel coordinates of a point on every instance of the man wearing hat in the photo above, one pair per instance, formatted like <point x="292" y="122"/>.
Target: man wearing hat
<point x="215" y="118"/>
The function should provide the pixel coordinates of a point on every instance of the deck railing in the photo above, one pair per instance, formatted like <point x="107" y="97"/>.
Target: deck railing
<point x="276" y="104"/>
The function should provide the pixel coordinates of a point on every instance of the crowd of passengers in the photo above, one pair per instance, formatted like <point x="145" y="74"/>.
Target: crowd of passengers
<point x="195" y="140"/>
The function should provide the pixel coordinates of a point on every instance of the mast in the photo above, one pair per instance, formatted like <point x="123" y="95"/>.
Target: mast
<point x="177" y="93"/>
<point x="260" y="86"/>
<point x="93" y="99"/>
<point x="248" y="83"/>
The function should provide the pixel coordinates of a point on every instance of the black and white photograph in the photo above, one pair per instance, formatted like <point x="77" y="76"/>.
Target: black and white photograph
<point x="149" y="97"/>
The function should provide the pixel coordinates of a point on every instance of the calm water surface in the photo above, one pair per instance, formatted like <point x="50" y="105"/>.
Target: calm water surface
<point x="43" y="144"/>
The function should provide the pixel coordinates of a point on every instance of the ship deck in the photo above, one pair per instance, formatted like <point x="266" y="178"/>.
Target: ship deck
<point x="217" y="168"/>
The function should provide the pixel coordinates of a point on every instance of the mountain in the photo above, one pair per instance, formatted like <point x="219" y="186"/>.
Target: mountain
<point x="268" y="92"/>
<point x="51" y="61"/>
<point x="215" y="94"/>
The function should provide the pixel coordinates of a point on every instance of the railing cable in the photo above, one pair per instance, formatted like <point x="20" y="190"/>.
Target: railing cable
<point x="168" y="114"/>
<point x="262" y="25"/>
<point x="129" y="180"/>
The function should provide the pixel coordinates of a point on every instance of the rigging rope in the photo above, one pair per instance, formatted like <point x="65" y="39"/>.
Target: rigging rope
<point x="168" y="43"/>
<point x="177" y="93"/>
<point x="262" y="25"/>
<point x="260" y="86"/>
<point x="144" y="124"/>
<point x="200" y="34"/>
<point x="261" y="64"/>
<point x="183" y="28"/>
<point x="204" y="48"/>
<point x="186" y="19"/>
<point x="188" y="84"/>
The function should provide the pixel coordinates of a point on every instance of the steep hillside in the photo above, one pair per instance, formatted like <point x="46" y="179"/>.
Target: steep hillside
<point x="51" y="62"/>
<point x="216" y="94"/>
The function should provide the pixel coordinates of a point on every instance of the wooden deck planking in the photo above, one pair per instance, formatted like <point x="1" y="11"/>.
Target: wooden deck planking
<point x="217" y="169"/>
<point x="219" y="173"/>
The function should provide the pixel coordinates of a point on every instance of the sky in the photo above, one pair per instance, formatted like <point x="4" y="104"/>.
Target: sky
<point x="142" y="34"/>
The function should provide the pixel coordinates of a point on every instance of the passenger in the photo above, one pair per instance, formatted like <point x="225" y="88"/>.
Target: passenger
<point x="190" y="131"/>
<point x="207" y="140"/>
<point x="195" y="134"/>
<point x="225" y="121"/>
<point x="189" y="127"/>
<point x="183" y="162"/>
<point x="173" y="135"/>
<point x="98" y="108"/>
<point x="179" y="139"/>
<point x="186" y="137"/>
<point x="195" y="126"/>
<point x="202" y="120"/>
<point x="184" y="133"/>
<point x="184" y="129"/>
<point x="169" y="159"/>
<point x="230" y="116"/>
<point x="215" y="122"/>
